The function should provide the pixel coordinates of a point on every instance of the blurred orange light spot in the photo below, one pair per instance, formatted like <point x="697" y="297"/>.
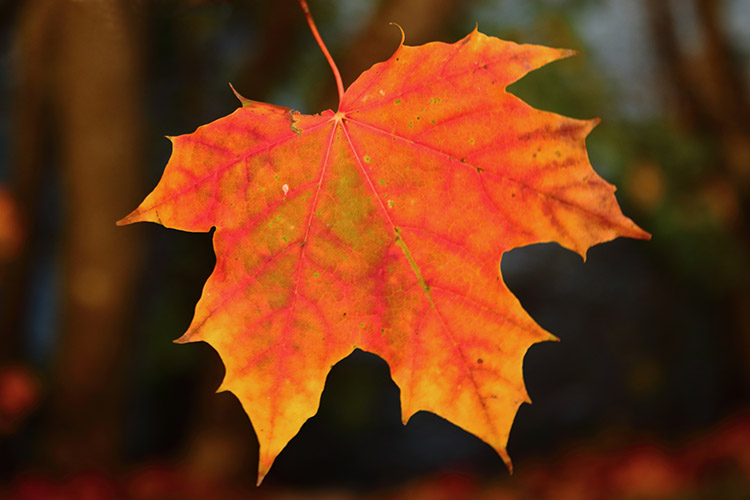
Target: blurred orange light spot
<point x="11" y="230"/>
<point x="19" y="394"/>
<point x="646" y="186"/>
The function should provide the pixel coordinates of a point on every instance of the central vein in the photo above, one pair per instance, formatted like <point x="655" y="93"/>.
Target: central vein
<point x="399" y="241"/>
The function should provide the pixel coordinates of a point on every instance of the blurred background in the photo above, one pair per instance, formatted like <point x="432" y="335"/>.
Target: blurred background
<point x="647" y="396"/>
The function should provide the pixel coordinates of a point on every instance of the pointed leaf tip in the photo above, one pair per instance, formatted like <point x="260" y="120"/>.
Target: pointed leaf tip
<point x="131" y="218"/>
<point x="243" y="100"/>
<point x="403" y="35"/>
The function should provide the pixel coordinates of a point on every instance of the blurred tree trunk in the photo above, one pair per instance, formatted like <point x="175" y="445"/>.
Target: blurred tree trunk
<point x="727" y="93"/>
<point x="675" y="69"/>
<point x="30" y="147"/>
<point x="91" y="99"/>
<point x="711" y="97"/>
<point x="708" y="88"/>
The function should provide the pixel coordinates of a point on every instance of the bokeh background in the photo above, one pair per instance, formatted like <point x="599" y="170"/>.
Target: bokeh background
<point x="647" y="396"/>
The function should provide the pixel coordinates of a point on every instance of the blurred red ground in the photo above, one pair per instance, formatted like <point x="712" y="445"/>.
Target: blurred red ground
<point x="711" y="466"/>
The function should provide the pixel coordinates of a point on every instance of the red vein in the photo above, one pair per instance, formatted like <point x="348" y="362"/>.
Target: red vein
<point x="229" y="164"/>
<point x="422" y="85"/>
<point x="264" y="214"/>
<point x="366" y="176"/>
<point x="310" y="216"/>
<point x="484" y="307"/>
<point x="451" y="337"/>
<point x="240" y="286"/>
<point x="550" y="196"/>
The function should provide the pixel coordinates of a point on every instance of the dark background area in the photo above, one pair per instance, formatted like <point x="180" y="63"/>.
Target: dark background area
<point x="655" y="351"/>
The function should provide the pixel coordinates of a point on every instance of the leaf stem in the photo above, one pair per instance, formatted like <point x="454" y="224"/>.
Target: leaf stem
<point x="336" y="74"/>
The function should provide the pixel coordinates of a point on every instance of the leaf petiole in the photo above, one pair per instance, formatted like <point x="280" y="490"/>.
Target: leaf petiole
<point x="316" y="34"/>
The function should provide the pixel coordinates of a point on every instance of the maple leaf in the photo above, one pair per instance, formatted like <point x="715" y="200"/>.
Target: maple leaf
<point x="381" y="226"/>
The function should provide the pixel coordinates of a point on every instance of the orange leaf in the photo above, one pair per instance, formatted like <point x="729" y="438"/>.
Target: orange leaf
<point x="381" y="226"/>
